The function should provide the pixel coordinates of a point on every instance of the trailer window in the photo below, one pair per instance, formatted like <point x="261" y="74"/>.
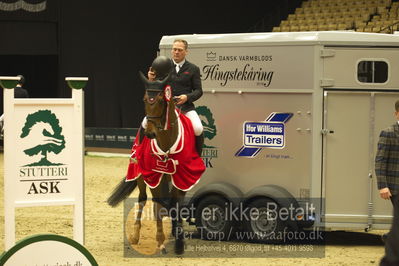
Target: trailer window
<point x="372" y="71"/>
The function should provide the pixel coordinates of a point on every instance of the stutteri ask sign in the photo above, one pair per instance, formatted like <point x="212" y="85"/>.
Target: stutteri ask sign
<point x="44" y="164"/>
<point x="43" y="155"/>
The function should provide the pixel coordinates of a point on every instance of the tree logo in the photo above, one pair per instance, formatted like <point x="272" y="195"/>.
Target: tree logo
<point x="46" y="134"/>
<point x="208" y="123"/>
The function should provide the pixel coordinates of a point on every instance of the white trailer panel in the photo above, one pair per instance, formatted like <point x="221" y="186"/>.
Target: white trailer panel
<point x="340" y="89"/>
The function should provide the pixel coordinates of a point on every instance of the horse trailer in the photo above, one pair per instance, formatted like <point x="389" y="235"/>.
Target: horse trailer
<point x="291" y="119"/>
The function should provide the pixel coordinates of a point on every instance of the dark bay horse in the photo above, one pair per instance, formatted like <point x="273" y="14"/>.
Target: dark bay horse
<point x="164" y="129"/>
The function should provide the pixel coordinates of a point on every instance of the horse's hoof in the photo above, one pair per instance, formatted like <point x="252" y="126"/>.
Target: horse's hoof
<point x="179" y="247"/>
<point x="163" y="251"/>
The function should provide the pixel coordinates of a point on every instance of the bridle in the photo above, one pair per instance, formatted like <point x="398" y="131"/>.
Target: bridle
<point x="158" y="92"/>
<point x="151" y="99"/>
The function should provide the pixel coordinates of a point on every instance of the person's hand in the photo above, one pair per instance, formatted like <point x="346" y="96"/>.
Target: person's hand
<point x="151" y="74"/>
<point x="385" y="193"/>
<point x="180" y="99"/>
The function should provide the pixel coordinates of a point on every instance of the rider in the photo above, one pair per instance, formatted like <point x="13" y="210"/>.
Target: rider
<point x="186" y="86"/>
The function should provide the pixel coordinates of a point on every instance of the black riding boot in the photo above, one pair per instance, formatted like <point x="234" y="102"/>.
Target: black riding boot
<point x="141" y="134"/>
<point x="199" y="142"/>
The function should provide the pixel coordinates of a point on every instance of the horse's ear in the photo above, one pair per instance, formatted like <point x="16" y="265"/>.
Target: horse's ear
<point x="143" y="79"/>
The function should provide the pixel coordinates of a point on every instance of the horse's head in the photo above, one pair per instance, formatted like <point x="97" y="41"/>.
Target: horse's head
<point x="155" y="105"/>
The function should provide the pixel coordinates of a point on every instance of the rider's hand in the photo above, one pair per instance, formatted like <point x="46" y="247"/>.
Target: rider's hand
<point x="151" y="74"/>
<point x="181" y="99"/>
<point x="385" y="193"/>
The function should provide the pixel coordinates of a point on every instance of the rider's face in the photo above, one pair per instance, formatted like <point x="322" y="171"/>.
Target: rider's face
<point x="179" y="52"/>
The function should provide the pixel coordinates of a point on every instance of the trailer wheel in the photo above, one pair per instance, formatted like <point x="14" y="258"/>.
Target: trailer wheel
<point x="264" y="223"/>
<point x="212" y="218"/>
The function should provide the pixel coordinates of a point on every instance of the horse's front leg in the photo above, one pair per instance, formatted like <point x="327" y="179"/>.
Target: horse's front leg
<point x="159" y="211"/>
<point x="142" y="201"/>
<point x="177" y="221"/>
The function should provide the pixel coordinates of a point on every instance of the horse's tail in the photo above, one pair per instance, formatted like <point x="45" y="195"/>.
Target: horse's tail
<point x="121" y="192"/>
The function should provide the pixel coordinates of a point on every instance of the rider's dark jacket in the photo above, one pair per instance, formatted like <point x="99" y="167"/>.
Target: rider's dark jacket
<point x="187" y="81"/>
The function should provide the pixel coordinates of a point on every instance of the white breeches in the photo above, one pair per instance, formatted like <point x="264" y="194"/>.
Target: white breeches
<point x="194" y="118"/>
<point x="196" y="121"/>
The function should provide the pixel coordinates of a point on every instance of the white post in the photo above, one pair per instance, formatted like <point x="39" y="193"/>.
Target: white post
<point x="9" y="207"/>
<point x="77" y="85"/>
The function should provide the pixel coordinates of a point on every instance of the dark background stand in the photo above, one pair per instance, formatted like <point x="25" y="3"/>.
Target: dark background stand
<point x="110" y="41"/>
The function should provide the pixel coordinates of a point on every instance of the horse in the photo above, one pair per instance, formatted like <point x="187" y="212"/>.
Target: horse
<point x="165" y="154"/>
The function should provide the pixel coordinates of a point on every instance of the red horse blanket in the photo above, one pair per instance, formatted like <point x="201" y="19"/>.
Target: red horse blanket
<point x="182" y="161"/>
